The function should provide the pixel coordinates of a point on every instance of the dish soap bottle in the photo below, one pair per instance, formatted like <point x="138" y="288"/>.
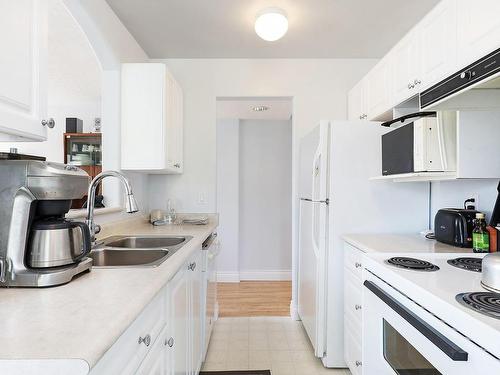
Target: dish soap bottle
<point x="480" y="235"/>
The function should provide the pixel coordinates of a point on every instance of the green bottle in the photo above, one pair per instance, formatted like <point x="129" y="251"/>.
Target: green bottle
<point x="480" y="236"/>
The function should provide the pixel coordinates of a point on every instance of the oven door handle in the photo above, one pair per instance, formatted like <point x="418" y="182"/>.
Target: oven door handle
<point x="446" y="346"/>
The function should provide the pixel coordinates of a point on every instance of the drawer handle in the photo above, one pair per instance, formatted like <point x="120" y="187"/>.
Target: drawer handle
<point x="357" y="265"/>
<point x="146" y="340"/>
<point x="170" y="342"/>
<point x="357" y="307"/>
<point x="358" y="363"/>
<point x="192" y="266"/>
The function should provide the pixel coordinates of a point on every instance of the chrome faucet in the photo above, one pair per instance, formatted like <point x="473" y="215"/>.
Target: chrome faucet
<point x="130" y="203"/>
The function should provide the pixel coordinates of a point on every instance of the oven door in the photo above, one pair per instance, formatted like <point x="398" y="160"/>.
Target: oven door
<point x="400" y="337"/>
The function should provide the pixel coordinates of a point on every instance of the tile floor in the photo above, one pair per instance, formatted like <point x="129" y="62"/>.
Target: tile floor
<point x="276" y="343"/>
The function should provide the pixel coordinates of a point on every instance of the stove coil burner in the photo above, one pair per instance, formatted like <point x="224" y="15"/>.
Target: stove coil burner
<point x="412" y="264"/>
<point x="486" y="303"/>
<point x="469" y="264"/>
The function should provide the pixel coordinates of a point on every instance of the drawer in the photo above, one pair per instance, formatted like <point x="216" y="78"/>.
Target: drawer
<point x="353" y="297"/>
<point x="352" y="352"/>
<point x="127" y="353"/>
<point x="353" y="259"/>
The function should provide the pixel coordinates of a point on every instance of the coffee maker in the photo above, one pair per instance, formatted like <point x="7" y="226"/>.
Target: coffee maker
<point x="38" y="246"/>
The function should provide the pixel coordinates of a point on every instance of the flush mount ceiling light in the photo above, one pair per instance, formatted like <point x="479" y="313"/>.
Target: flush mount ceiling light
<point x="260" y="108"/>
<point x="271" y="24"/>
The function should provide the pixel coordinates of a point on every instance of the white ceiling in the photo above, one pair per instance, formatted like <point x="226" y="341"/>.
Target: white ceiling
<point x="224" y="28"/>
<point x="242" y="108"/>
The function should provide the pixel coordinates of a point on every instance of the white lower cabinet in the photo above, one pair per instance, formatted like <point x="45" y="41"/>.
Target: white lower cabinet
<point x="156" y="360"/>
<point x="353" y="304"/>
<point x="178" y="324"/>
<point x="197" y="312"/>
<point x="167" y="337"/>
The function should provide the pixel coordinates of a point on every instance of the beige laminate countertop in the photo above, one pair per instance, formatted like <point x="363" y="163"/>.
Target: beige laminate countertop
<point x="81" y="320"/>
<point x="400" y="243"/>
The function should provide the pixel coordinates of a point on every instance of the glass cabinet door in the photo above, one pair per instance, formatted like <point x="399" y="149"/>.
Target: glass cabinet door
<point x="82" y="150"/>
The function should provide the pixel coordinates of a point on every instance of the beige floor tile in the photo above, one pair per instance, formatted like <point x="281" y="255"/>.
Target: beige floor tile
<point x="259" y="356"/>
<point x="216" y="356"/>
<point x="209" y="366"/>
<point x="261" y="343"/>
<point x="280" y="356"/>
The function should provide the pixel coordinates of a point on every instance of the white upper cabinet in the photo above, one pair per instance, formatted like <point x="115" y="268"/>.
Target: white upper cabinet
<point x="478" y="29"/>
<point x="379" y="89"/>
<point x="454" y="34"/>
<point x="23" y="70"/>
<point x="407" y="77"/>
<point x="438" y="44"/>
<point x="357" y="102"/>
<point x="152" y="119"/>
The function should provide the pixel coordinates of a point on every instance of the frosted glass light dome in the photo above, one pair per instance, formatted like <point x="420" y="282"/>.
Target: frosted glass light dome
<point x="271" y="24"/>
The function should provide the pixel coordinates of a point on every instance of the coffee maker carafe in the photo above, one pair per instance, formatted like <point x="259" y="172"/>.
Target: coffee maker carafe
<point x="38" y="246"/>
<point x="55" y="241"/>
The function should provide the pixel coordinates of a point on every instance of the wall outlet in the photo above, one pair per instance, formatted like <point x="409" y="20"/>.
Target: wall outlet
<point x="202" y="199"/>
<point x="474" y="196"/>
<point x="476" y="200"/>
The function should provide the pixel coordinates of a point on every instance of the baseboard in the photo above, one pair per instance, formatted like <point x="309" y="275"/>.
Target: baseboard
<point x="294" y="311"/>
<point x="271" y="275"/>
<point x="228" y="277"/>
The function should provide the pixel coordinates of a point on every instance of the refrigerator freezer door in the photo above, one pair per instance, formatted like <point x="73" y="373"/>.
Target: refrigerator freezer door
<point x="313" y="167"/>
<point x="312" y="268"/>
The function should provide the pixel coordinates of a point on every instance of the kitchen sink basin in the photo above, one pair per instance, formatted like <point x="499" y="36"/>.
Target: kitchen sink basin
<point x="143" y="242"/>
<point x="136" y="251"/>
<point x="127" y="258"/>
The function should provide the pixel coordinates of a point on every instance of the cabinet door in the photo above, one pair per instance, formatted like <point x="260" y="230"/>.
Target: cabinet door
<point x="438" y="44"/>
<point x="174" y="124"/>
<point x="197" y="312"/>
<point x="478" y="29"/>
<point x="356" y="102"/>
<point x="406" y="68"/>
<point x="23" y="69"/>
<point x="155" y="362"/>
<point x="178" y="324"/>
<point x="379" y="89"/>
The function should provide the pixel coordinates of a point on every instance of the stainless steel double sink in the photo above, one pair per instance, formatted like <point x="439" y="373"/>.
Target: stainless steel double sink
<point x="136" y="251"/>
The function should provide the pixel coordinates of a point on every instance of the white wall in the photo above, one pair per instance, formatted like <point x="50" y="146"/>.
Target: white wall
<point x="318" y="88"/>
<point x="265" y="185"/>
<point x="112" y="44"/>
<point x="446" y="194"/>
<point x="228" y="142"/>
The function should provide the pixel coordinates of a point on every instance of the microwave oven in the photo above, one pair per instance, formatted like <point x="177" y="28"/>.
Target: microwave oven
<point x="427" y="144"/>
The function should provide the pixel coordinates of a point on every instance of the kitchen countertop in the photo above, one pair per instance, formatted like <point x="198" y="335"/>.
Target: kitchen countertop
<point x="81" y="320"/>
<point x="400" y="243"/>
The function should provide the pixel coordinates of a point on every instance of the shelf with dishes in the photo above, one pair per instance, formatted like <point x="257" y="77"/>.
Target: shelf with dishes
<point x="83" y="150"/>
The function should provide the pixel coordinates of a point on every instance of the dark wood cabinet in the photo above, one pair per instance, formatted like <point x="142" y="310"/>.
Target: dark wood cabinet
<point x="84" y="150"/>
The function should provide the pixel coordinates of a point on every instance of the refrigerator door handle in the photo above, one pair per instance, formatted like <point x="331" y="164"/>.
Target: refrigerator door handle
<point x="314" y="240"/>
<point x="315" y="172"/>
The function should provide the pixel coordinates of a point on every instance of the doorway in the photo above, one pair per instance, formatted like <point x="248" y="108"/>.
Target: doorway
<point x="254" y="201"/>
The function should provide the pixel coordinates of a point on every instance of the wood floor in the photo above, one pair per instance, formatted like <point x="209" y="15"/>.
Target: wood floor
<point x="254" y="298"/>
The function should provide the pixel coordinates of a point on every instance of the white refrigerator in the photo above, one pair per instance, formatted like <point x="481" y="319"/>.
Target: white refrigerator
<point x="338" y="197"/>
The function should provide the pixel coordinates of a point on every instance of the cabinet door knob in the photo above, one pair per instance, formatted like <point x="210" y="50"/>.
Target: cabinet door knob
<point x="177" y="165"/>
<point x="361" y="117"/>
<point x="358" y="363"/>
<point x="192" y="266"/>
<point x="357" y="307"/>
<point x="50" y="123"/>
<point x="146" y="340"/>
<point x="357" y="265"/>
<point x="417" y="81"/>
<point x="170" y="342"/>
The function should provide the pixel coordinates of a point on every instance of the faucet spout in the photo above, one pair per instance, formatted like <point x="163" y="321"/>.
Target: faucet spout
<point x="130" y="202"/>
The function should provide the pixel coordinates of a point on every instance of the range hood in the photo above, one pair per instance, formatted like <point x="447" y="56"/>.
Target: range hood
<point x="483" y="74"/>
